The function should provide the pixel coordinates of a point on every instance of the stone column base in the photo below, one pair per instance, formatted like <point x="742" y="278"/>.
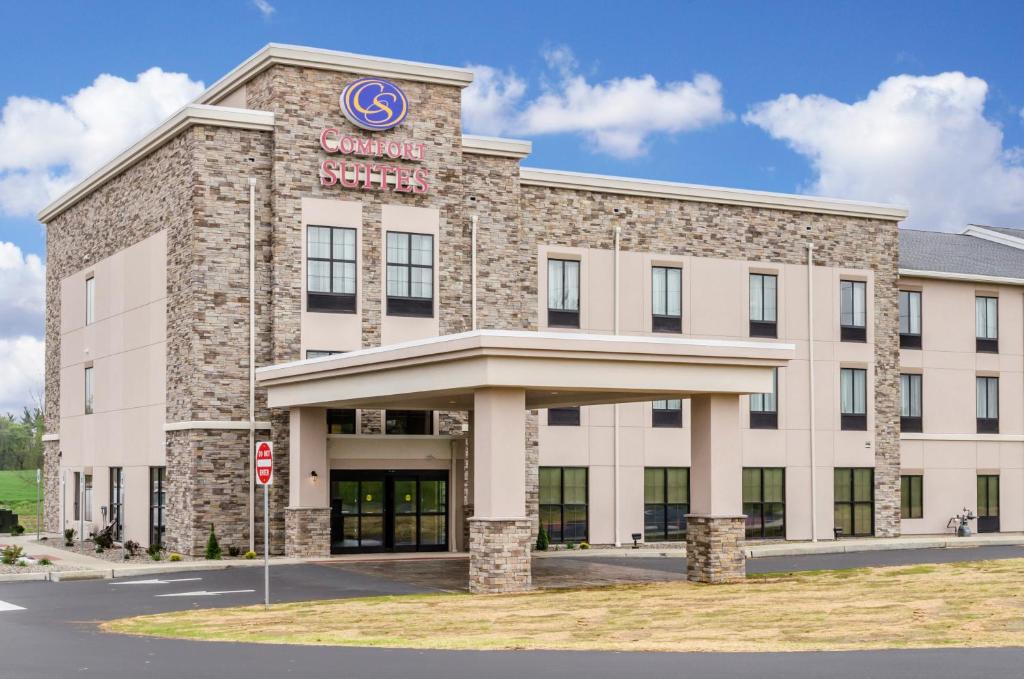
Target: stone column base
<point x="714" y="548"/>
<point x="307" y="532"/>
<point x="499" y="555"/>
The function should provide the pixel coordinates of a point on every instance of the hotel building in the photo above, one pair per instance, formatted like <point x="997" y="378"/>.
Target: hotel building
<point x="449" y="350"/>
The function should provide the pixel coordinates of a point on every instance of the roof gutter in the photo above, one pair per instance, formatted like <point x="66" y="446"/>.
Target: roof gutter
<point x="965" y="277"/>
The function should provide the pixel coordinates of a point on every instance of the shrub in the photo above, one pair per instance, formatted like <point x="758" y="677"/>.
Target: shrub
<point x="99" y="549"/>
<point x="174" y="557"/>
<point x="570" y="545"/>
<point x="543" y="540"/>
<point x="45" y="562"/>
<point x="154" y="551"/>
<point x="250" y="555"/>
<point x="69" y="537"/>
<point x="105" y="538"/>
<point x="234" y="551"/>
<point x="19" y="530"/>
<point x="212" y="546"/>
<point x="131" y="548"/>
<point x="11" y="554"/>
<point x="584" y="545"/>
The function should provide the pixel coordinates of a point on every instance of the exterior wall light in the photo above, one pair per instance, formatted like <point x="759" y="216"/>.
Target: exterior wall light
<point x="314" y="477"/>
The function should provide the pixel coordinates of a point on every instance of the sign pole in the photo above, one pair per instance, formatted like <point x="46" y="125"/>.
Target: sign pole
<point x="39" y="477"/>
<point x="265" y="477"/>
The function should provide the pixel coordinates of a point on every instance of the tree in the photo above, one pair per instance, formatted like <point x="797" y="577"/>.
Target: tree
<point x="212" y="546"/>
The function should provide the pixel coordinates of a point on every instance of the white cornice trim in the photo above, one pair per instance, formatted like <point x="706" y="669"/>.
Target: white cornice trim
<point x="496" y="146"/>
<point x="331" y="60"/>
<point x="965" y="277"/>
<point x="51" y="437"/>
<point x="994" y="236"/>
<point x="1005" y="438"/>
<point x="708" y="194"/>
<point x="213" y="424"/>
<point x="192" y="114"/>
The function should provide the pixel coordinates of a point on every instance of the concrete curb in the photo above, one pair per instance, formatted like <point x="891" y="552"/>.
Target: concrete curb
<point x="25" y="577"/>
<point x="71" y="576"/>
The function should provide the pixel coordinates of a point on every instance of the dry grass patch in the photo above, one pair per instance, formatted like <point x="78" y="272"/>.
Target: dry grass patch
<point x="965" y="604"/>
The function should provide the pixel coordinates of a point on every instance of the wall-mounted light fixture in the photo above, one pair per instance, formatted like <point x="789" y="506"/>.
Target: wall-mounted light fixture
<point x="314" y="477"/>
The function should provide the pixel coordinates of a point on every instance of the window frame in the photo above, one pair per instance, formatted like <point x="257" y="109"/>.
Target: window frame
<point x="425" y="417"/>
<point x="853" y="502"/>
<point x="666" y="322"/>
<point x="409" y="305"/>
<point x="909" y="422"/>
<point x="667" y="416"/>
<point x="911" y="489"/>
<point x="321" y="353"/>
<point x="762" y="531"/>
<point x="853" y="421"/>
<point x="987" y="417"/>
<point x="89" y="401"/>
<point x="565" y="316"/>
<point x="158" y="509"/>
<point x="566" y="416"/>
<point x="849" y="329"/>
<point x="987" y="343"/>
<point x="90" y="300"/>
<point x="665" y="504"/>
<point x="911" y="339"/>
<point x="332" y="301"/>
<point x="343" y="418"/>
<point x="562" y="504"/>
<point x="763" y="327"/>
<point x="115" y="500"/>
<point x="762" y="417"/>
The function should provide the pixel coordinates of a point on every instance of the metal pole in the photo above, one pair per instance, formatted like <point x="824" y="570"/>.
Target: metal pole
<point x="81" y="506"/>
<point x="266" y="546"/>
<point x="252" y="361"/>
<point x="39" y="476"/>
<point x="810" y="386"/>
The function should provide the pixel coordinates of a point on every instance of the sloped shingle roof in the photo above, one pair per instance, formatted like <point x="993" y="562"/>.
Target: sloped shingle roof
<point x="957" y="253"/>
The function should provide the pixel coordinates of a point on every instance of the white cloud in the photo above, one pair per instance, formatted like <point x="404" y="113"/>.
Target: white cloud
<point x="617" y="116"/>
<point x="46" y="146"/>
<point x="22" y="290"/>
<point x="265" y="8"/>
<point x="921" y="141"/>
<point x="21" y="373"/>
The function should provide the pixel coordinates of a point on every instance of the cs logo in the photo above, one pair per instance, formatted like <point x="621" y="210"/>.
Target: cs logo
<point x="374" y="104"/>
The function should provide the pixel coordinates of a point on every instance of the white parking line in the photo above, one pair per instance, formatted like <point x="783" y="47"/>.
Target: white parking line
<point x="154" y="581"/>
<point x="203" y="592"/>
<point x="4" y="606"/>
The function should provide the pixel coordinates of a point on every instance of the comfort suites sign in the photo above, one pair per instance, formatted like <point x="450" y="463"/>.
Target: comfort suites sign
<point x="367" y="163"/>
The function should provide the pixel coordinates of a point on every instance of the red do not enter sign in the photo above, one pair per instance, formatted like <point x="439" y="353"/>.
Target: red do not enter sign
<point x="265" y="463"/>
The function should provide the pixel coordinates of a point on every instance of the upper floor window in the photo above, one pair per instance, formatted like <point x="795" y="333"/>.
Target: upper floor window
<point x="764" y="408"/>
<point x="341" y="421"/>
<point x="986" y="324"/>
<point x="88" y="390"/>
<point x="90" y="300"/>
<point x="667" y="413"/>
<point x="409" y="422"/>
<point x="317" y="353"/>
<point x="853" y="311"/>
<point x="763" y="305"/>
<point x="853" y="399"/>
<point x="330" y="269"/>
<point x="910" y="403"/>
<point x="666" y="299"/>
<point x="564" y="417"/>
<point x="987" y="404"/>
<point x="563" y="293"/>
<point x="910" y="319"/>
<point x="410" y="284"/>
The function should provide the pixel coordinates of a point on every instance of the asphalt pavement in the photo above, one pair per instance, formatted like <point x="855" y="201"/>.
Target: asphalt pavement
<point x="50" y="630"/>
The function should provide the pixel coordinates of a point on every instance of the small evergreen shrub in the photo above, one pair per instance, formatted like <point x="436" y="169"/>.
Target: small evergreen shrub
<point x="11" y="554"/>
<point x="570" y="545"/>
<point x="45" y="562"/>
<point x="174" y="557"/>
<point x="19" y="530"/>
<point x="584" y="545"/>
<point x="250" y="555"/>
<point x="234" y="551"/>
<point x="543" y="540"/>
<point x="155" y="552"/>
<point x="212" y="546"/>
<point x="99" y="549"/>
<point x="69" y="537"/>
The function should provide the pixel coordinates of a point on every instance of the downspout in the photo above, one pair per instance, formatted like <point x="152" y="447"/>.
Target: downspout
<point x="615" y="407"/>
<point x="252" y="365"/>
<point x="810" y="373"/>
<point x="472" y="273"/>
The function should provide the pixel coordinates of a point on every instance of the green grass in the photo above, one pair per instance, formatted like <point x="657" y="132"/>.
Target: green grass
<point x="18" y="493"/>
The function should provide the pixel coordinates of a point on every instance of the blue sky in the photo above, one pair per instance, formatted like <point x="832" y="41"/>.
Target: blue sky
<point x="949" y="145"/>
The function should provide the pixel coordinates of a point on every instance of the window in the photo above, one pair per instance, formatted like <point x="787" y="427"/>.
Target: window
<point x="854" y="494"/>
<point x="666" y="299"/>
<point x="157" y="504"/>
<point x="986" y="324"/>
<point x="563" y="503"/>
<point x="90" y="300"/>
<point x="410" y="285"/>
<point x="988" y="503"/>
<point x="316" y="353"/>
<point x="988" y="404"/>
<point x="853" y="397"/>
<point x="88" y="497"/>
<point x="667" y="413"/>
<point x="666" y="503"/>
<point x="764" y="408"/>
<point x="764" y="502"/>
<point x="78" y="495"/>
<point x="853" y="311"/>
<point x="564" y="417"/>
<point x="331" y="269"/>
<point x="88" y="390"/>
<point x="117" y="501"/>
<point x="341" y="421"/>
<point x="910" y="403"/>
<point x="763" y="297"/>
<point x="911" y="504"/>
<point x="910" y="319"/>
<point x="409" y="422"/>
<point x="563" y="293"/>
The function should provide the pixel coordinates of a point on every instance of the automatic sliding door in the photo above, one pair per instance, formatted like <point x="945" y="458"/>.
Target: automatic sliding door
<point x="357" y="513"/>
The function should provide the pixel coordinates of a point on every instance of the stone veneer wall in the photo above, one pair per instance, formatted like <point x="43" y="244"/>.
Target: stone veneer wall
<point x="714" y="549"/>
<point x="308" y="532"/>
<point x="499" y="555"/>
<point x="586" y="219"/>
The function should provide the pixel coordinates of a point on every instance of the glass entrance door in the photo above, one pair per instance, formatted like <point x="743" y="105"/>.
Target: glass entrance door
<point x="376" y="511"/>
<point x="988" y="503"/>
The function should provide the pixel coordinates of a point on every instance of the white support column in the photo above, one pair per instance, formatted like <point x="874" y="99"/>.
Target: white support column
<point x="715" y="526"/>
<point x="499" y="542"/>
<point x="308" y="515"/>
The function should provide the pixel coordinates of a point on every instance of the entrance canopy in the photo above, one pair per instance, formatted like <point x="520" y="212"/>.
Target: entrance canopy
<point x="554" y="369"/>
